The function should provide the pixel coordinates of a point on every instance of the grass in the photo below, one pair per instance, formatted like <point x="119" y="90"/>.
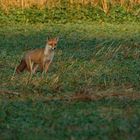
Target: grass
<point x="104" y="119"/>
<point x="104" y="4"/>
<point x="91" y="89"/>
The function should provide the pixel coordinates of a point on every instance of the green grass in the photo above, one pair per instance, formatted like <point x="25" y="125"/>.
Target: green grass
<point x="105" y="119"/>
<point x="92" y="58"/>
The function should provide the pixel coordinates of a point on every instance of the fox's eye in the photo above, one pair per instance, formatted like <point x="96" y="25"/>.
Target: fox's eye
<point x="50" y="44"/>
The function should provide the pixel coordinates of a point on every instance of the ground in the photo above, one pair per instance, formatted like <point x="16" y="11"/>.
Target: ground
<point x="91" y="89"/>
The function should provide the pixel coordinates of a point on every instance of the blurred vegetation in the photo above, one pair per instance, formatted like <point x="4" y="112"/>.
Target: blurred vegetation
<point x="71" y="11"/>
<point x="105" y="5"/>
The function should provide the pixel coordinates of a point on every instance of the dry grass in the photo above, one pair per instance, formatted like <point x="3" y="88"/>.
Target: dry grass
<point x="91" y="95"/>
<point x="85" y="95"/>
<point x="103" y="4"/>
<point x="8" y="92"/>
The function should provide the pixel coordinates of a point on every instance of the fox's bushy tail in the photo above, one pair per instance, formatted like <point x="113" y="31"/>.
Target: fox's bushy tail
<point x="21" y="66"/>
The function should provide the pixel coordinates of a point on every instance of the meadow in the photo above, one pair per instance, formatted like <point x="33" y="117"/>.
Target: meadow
<point x="92" y="89"/>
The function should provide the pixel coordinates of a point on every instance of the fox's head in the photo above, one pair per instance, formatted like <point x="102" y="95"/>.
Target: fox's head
<point x="52" y="43"/>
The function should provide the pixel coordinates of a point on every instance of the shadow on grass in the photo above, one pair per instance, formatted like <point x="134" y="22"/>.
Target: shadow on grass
<point x="85" y="55"/>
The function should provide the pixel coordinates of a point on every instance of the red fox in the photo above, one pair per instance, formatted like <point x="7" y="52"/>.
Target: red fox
<point x="41" y="57"/>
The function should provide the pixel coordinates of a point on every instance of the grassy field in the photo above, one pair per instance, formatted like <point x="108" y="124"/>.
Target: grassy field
<point x="92" y="89"/>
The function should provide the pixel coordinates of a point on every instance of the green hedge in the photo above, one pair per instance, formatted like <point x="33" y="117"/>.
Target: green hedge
<point x="63" y="15"/>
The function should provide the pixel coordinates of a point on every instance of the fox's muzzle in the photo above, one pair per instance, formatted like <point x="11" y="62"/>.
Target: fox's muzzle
<point x="53" y="49"/>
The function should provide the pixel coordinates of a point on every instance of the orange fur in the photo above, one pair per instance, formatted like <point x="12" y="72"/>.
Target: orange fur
<point x="41" y="57"/>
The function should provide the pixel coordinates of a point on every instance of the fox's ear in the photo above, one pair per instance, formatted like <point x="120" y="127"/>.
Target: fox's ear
<point x="48" y="38"/>
<point x="57" y="38"/>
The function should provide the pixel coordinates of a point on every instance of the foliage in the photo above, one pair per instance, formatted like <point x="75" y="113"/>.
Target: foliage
<point x="64" y="14"/>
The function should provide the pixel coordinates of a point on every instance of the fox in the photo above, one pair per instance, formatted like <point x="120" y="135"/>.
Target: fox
<point x="38" y="58"/>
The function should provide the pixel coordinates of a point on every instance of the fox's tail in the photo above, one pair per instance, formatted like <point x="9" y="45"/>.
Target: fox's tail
<point x="21" y="66"/>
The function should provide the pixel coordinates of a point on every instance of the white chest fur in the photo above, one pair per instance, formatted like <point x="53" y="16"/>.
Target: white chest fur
<point x="48" y="53"/>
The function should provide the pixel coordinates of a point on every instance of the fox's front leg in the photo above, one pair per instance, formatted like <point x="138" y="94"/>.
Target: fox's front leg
<point x="47" y="64"/>
<point x="35" y="67"/>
